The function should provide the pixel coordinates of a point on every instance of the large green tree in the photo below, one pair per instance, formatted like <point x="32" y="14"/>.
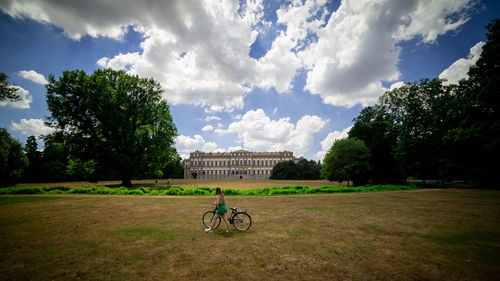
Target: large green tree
<point x="421" y="112"/>
<point x="13" y="161"/>
<point x="379" y="131"/>
<point x="118" y="121"/>
<point x="347" y="159"/>
<point x="474" y="144"/>
<point x="7" y="92"/>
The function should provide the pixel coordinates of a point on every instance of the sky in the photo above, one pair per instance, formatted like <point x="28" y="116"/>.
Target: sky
<point x="258" y="75"/>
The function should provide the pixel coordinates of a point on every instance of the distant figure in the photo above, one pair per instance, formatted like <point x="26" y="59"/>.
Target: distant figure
<point x="221" y="211"/>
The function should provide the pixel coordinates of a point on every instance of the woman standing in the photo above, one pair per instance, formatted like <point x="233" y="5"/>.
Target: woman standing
<point x="221" y="211"/>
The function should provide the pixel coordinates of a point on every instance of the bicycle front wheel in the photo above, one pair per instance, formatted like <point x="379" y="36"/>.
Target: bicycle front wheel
<point x="207" y="219"/>
<point x="242" y="221"/>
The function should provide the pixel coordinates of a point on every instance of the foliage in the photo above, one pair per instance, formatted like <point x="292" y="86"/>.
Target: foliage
<point x="429" y="130"/>
<point x="13" y="161"/>
<point x="55" y="158"/>
<point x="33" y="172"/>
<point x="174" y="169"/>
<point x="421" y="112"/>
<point x="80" y="170"/>
<point x="7" y="92"/>
<point x="377" y="129"/>
<point x="347" y="159"/>
<point x="206" y="191"/>
<point x="117" y="120"/>
<point x="474" y="143"/>
<point x="302" y="170"/>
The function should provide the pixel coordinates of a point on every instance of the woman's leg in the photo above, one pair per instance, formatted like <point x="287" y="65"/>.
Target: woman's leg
<point x="224" y="217"/>
<point x="214" y="219"/>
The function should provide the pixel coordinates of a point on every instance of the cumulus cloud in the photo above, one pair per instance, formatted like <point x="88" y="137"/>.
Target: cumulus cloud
<point x="186" y="144"/>
<point x="33" y="76"/>
<point x="396" y="85"/>
<point x="207" y="128"/>
<point x="199" y="50"/>
<point x="459" y="69"/>
<point x="23" y="103"/>
<point x="31" y="127"/>
<point x="258" y="132"/>
<point x="327" y="143"/>
<point x="358" y="48"/>
<point x="212" y="117"/>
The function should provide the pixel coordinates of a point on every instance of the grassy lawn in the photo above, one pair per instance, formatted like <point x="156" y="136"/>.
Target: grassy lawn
<point x="229" y="183"/>
<point x="448" y="234"/>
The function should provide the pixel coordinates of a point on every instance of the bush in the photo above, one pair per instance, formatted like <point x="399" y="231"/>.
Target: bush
<point x="206" y="191"/>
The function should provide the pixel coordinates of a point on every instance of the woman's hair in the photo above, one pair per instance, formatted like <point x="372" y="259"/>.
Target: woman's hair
<point x="218" y="191"/>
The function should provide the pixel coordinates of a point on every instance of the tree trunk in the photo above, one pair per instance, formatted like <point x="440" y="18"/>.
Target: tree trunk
<point x="127" y="182"/>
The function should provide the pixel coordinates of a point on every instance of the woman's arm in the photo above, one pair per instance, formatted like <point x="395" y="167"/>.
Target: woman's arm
<point x="217" y="201"/>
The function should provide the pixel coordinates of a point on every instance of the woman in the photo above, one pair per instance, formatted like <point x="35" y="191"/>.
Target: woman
<point x="221" y="211"/>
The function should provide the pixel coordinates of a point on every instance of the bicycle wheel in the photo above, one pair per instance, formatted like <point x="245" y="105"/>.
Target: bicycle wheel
<point x="242" y="221"/>
<point x="207" y="219"/>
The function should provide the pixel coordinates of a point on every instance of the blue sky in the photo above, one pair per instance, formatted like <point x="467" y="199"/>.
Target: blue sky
<point x="262" y="75"/>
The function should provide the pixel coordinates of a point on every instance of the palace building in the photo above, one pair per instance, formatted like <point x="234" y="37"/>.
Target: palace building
<point x="233" y="165"/>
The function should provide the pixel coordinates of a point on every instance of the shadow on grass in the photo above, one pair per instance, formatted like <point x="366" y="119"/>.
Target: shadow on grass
<point x="23" y="199"/>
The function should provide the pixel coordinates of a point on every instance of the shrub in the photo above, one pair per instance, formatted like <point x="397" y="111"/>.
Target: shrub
<point x="135" y="192"/>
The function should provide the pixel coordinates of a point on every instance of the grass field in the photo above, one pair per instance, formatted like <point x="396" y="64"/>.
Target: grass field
<point x="447" y="234"/>
<point x="229" y="183"/>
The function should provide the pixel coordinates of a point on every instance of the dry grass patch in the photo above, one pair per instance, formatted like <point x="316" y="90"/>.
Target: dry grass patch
<point x="433" y="235"/>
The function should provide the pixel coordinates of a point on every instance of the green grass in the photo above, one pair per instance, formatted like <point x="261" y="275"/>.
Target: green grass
<point x="203" y="191"/>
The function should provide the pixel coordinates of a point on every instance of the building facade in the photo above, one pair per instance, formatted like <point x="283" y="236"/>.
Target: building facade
<point x="233" y="165"/>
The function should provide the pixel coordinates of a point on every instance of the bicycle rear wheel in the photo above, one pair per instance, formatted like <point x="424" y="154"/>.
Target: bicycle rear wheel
<point x="207" y="219"/>
<point x="242" y="221"/>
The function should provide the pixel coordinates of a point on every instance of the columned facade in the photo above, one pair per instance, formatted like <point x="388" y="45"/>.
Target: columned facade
<point x="233" y="165"/>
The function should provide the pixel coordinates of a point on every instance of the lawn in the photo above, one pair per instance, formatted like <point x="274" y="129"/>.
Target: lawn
<point x="447" y="234"/>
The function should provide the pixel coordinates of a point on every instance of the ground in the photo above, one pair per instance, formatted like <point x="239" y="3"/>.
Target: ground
<point x="429" y="234"/>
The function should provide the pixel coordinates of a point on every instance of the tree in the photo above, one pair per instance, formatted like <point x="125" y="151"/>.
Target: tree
<point x="13" y="161"/>
<point x="117" y="120"/>
<point x="422" y="112"/>
<point x="55" y="158"/>
<point x="378" y="130"/>
<point x="33" y="172"/>
<point x="302" y="170"/>
<point x="174" y="169"/>
<point x="8" y="92"/>
<point x="347" y="159"/>
<point x="474" y="142"/>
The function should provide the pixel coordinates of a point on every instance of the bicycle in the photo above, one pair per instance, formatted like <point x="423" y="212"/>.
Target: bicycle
<point x="241" y="220"/>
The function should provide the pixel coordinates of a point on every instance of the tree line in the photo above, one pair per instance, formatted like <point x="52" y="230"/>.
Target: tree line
<point x="108" y="125"/>
<point x="428" y="130"/>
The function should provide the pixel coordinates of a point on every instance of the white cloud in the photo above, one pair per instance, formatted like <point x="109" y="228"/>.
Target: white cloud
<point x="327" y="143"/>
<point x="186" y="145"/>
<point x="199" y="50"/>
<point x="31" y="127"/>
<point x="212" y="117"/>
<point x="33" y="76"/>
<point x="275" y="110"/>
<point x="23" y="103"/>
<point x="358" y="48"/>
<point x="207" y="128"/>
<point x="258" y="132"/>
<point x="459" y="69"/>
<point x="396" y="85"/>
